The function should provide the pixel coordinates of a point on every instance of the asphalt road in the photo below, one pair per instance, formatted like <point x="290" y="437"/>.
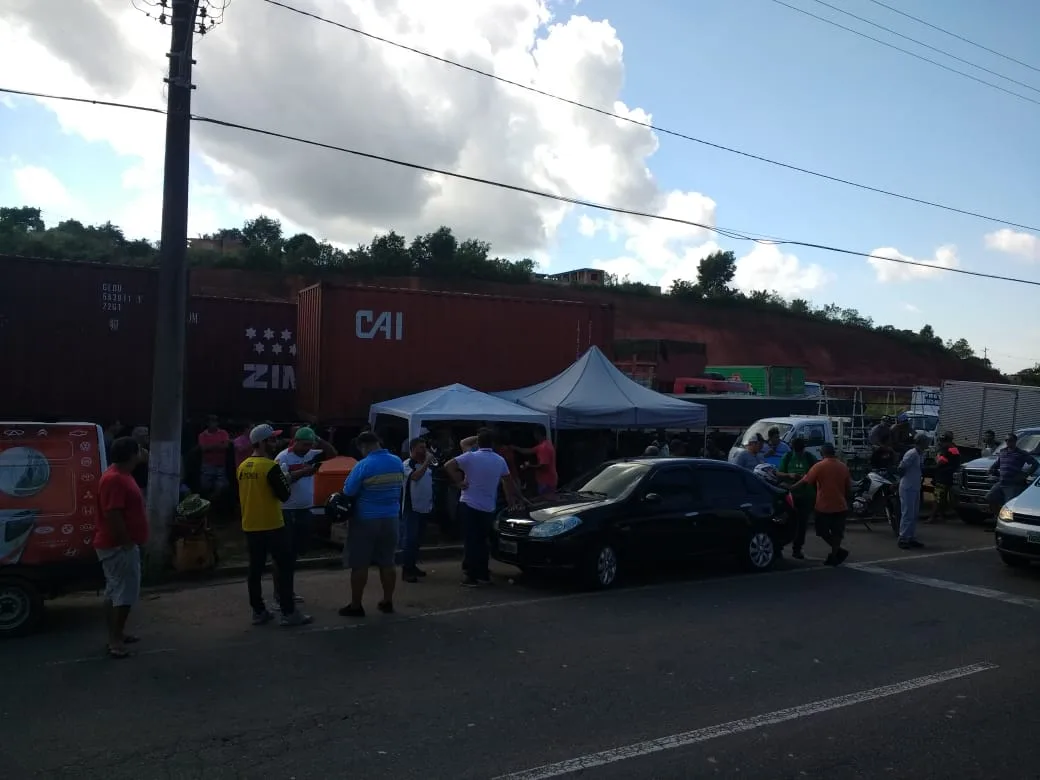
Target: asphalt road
<point x="898" y="665"/>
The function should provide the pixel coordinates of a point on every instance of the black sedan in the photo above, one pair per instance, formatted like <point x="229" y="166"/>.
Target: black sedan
<point x="648" y="510"/>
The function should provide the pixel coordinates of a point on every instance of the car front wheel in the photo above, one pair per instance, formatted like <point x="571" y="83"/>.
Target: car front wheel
<point x="602" y="567"/>
<point x="760" y="551"/>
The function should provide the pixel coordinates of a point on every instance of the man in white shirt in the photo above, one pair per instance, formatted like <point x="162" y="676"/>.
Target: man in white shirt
<point x="478" y="474"/>
<point x="299" y="462"/>
<point x="416" y="507"/>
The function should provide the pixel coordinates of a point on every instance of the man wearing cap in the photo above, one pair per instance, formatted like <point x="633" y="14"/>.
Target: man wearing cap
<point x="299" y="462"/>
<point x="262" y="487"/>
<point x="750" y="455"/>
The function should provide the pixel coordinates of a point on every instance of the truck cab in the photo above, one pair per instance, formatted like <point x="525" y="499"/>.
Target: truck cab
<point x="816" y="430"/>
<point x="972" y="482"/>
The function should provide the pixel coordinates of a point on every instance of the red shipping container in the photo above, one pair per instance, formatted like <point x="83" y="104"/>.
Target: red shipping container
<point x="360" y="345"/>
<point x="241" y="358"/>
<point x="76" y="340"/>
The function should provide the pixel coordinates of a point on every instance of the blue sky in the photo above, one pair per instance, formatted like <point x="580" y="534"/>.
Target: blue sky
<point x="760" y="77"/>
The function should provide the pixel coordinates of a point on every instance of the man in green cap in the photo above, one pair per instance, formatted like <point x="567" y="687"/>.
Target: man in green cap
<point x="300" y="461"/>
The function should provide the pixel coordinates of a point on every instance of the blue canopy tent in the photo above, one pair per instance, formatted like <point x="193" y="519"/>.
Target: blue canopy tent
<point x="593" y="393"/>
<point x="454" y="402"/>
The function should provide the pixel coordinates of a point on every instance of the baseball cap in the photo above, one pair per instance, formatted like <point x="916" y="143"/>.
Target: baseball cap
<point x="262" y="433"/>
<point x="305" y="434"/>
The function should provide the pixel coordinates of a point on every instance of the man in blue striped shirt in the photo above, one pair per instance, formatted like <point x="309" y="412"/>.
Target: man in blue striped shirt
<point x="375" y="484"/>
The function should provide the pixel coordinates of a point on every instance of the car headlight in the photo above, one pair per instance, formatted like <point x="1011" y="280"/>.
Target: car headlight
<point x="555" y="527"/>
<point x="1005" y="514"/>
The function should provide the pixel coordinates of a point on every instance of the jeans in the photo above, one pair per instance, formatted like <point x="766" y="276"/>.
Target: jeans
<point x="276" y="544"/>
<point x="476" y="533"/>
<point x="910" y="507"/>
<point x="298" y="522"/>
<point x="413" y="524"/>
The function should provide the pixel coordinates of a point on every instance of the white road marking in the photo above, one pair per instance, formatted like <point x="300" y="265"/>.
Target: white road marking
<point x="957" y="587"/>
<point x="685" y="739"/>
<point x="909" y="557"/>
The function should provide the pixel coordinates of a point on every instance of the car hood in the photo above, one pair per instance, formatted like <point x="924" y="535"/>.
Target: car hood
<point x="982" y="463"/>
<point x="566" y="509"/>
<point x="1027" y="502"/>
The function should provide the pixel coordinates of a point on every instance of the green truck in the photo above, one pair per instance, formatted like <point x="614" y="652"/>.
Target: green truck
<point x="782" y="381"/>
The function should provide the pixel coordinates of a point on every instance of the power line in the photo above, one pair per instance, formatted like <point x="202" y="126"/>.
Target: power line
<point x="915" y="55"/>
<point x="655" y="128"/>
<point x="926" y="45"/>
<point x="943" y="30"/>
<point x="536" y="193"/>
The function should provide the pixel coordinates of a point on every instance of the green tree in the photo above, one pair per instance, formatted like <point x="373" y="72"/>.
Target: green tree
<point x="715" y="274"/>
<point x="684" y="289"/>
<point x="961" y="348"/>
<point x="389" y="255"/>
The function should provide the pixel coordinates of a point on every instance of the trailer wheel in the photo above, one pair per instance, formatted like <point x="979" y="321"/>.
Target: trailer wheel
<point x="21" y="607"/>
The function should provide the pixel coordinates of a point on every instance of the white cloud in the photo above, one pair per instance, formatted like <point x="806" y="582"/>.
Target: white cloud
<point x="42" y="188"/>
<point x="1013" y="242"/>
<point x="911" y="308"/>
<point x="767" y="267"/>
<point x="273" y="69"/>
<point x="945" y="257"/>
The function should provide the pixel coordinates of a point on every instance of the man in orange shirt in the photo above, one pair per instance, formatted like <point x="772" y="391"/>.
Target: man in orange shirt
<point x="833" y="485"/>
<point x="545" y="467"/>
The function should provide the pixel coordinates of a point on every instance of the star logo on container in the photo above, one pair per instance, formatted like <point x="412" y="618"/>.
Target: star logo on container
<point x="250" y="333"/>
<point x="286" y="335"/>
<point x="268" y="334"/>
<point x="292" y="350"/>
<point x="276" y="349"/>
<point x="258" y="347"/>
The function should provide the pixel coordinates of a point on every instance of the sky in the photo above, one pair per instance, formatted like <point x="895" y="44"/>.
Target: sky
<point x="752" y="75"/>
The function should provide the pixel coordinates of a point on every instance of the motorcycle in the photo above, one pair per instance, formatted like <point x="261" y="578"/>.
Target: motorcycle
<point x="877" y="496"/>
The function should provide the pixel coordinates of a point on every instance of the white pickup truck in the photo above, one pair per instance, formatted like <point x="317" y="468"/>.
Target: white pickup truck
<point x="817" y="430"/>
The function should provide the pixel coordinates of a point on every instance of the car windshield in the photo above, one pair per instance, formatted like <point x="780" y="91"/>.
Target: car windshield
<point x="1030" y="442"/>
<point x="762" y="428"/>
<point x="610" y="481"/>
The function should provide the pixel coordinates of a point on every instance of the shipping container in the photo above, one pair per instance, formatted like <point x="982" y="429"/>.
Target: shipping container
<point x="657" y="363"/>
<point x="359" y="345"/>
<point x="241" y="358"/>
<point x="76" y="340"/>
<point x="784" y="381"/>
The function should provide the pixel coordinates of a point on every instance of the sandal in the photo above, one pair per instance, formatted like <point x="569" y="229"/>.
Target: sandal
<point x="118" y="652"/>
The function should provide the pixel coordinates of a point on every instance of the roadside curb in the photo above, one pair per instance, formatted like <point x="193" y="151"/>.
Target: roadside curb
<point x="239" y="570"/>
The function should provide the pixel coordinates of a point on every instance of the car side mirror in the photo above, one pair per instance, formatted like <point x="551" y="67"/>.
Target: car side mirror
<point x="652" y="498"/>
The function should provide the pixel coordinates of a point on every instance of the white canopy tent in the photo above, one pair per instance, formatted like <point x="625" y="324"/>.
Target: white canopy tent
<point x="455" y="402"/>
<point x="593" y="393"/>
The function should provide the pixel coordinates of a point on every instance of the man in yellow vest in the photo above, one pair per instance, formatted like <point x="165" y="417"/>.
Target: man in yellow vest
<point x="262" y="487"/>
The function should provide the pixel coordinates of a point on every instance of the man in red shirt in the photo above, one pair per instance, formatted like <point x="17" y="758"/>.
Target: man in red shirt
<point x="545" y="466"/>
<point x="214" y="443"/>
<point x="121" y="531"/>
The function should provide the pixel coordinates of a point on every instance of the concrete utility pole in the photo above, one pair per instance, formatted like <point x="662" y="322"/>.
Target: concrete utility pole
<point x="164" y="466"/>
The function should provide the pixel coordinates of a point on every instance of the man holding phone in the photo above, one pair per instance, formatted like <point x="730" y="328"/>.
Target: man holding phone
<point x="300" y="462"/>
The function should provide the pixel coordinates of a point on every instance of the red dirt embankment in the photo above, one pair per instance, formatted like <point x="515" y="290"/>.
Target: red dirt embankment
<point x="734" y="334"/>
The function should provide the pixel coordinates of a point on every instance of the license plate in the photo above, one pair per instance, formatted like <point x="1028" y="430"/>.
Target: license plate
<point x="1033" y="537"/>
<point x="510" y="547"/>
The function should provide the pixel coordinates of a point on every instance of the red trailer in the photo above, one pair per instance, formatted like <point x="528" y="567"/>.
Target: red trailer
<point x="359" y="345"/>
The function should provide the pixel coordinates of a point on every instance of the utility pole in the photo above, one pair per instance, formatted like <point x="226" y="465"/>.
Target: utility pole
<point x="164" y="465"/>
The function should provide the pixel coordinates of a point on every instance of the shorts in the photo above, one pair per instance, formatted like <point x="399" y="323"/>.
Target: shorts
<point x="122" y="570"/>
<point x="942" y="493"/>
<point x="212" y="478"/>
<point x="370" y="543"/>
<point x="830" y="526"/>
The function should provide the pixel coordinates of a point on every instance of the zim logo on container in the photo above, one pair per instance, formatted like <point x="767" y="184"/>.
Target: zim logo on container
<point x="388" y="325"/>
<point x="268" y="376"/>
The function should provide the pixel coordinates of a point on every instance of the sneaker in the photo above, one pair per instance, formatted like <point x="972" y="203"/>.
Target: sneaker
<point x="840" y="557"/>
<point x="904" y="545"/>
<point x="409" y="576"/>
<point x="916" y="545"/>
<point x="295" y="618"/>
<point x="352" y="611"/>
<point x="470" y="582"/>
<point x="829" y="560"/>
<point x="386" y="607"/>
<point x="262" y="618"/>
